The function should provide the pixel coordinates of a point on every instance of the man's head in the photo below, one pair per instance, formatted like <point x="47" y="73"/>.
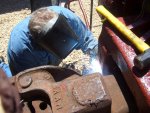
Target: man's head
<point x="41" y="21"/>
<point x="52" y="31"/>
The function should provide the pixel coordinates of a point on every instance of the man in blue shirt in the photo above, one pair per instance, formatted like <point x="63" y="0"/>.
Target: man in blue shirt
<point x="46" y="37"/>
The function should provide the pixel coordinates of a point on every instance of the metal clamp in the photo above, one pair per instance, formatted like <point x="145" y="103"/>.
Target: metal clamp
<point x="51" y="89"/>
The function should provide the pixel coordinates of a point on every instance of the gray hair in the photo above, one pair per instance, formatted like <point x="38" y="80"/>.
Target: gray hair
<point x="39" y="19"/>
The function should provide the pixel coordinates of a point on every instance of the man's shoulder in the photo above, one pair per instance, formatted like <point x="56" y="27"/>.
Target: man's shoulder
<point x="20" y="35"/>
<point x="62" y="10"/>
<point x="22" y="25"/>
<point x="57" y="8"/>
<point x="21" y="29"/>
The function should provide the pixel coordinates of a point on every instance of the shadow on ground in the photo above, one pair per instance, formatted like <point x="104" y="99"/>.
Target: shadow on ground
<point x="8" y="6"/>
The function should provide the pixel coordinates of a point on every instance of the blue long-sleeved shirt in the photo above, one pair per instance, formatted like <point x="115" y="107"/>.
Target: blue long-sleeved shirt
<point x="24" y="53"/>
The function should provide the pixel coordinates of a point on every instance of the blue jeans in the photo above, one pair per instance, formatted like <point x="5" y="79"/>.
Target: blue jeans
<point x="6" y="69"/>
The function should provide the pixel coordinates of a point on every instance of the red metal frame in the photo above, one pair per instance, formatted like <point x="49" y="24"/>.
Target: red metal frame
<point x="123" y="53"/>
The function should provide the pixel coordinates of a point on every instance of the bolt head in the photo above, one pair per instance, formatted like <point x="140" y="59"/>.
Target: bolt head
<point x="25" y="81"/>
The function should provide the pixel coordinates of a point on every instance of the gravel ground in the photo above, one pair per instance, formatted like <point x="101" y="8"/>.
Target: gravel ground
<point x="13" y="11"/>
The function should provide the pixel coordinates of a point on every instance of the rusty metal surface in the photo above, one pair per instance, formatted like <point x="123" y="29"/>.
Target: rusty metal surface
<point x="40" y="93"/>
<point x="92" y="95"/>
<point x="119" y="104"/>
<point x="123" y="53"/>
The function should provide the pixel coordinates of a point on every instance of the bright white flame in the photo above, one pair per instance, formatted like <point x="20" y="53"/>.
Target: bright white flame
<point x="95" y="65"/>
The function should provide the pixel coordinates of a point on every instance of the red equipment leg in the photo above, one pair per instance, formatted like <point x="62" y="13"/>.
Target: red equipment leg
<point x="123" y="53"/>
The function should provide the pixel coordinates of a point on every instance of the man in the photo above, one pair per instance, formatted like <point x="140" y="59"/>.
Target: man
<point x="46" y="37"/>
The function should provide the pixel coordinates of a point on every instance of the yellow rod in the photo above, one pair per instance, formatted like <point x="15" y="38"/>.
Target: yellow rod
<point x="138" y="43"/>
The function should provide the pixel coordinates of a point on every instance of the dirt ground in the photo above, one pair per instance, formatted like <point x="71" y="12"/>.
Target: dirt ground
<point x="13" y="11"/>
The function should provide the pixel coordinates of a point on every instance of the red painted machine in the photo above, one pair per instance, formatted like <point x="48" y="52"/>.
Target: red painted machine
<point x="123" y="51"/>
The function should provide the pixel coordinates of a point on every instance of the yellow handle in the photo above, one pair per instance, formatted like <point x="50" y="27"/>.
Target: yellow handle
<point x="140" y="44"/>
